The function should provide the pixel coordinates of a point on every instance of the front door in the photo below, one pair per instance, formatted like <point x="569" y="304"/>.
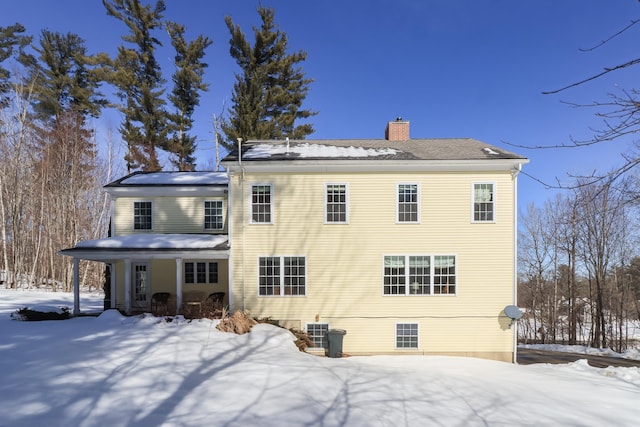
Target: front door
<point x="140" y="291"/>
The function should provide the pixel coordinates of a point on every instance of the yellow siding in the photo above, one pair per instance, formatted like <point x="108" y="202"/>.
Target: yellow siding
<point x="345" y="261"/>
<point x="170" y="215"/>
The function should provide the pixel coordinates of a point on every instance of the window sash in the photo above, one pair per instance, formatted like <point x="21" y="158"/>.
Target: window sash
<point x="483" y="202"/>
<point x="317" y="333"/>
<point x="282" y="275"/>
<point x="336" y="203"/>
<point x="406" y="335"/>
<point x="408" y="203"/>
<point x="261" y="203"/>
<point x="142" y="216"/>
<point x="213" y="215"/>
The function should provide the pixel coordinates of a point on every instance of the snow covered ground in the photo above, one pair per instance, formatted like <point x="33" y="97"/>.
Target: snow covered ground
<point x="143" y="371"/>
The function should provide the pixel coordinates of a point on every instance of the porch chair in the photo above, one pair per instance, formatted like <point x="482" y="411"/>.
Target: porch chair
<point x="160" y="299"/>
<point x="216" y="299"/>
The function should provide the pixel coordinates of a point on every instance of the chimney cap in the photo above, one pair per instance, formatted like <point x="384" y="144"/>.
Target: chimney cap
<point x="399" y="119"/>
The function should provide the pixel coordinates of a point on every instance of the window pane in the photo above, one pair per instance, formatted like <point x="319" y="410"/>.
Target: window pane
<point x="483" y="202"/>
<point x="189" y="272"/>
<point x="419" y="275"/>
<point x="407" y="335"/>
<point x="394" y="275"/>
<point x="444" y="274"/>
<point x="201" y="272"/>
<point x="142" y="215"/>
<point x="317" y="333"/>
<point x="213" y="272"/>
<point x="261" y="203"/>
<point x="269" y="279"/>
<point x="336" y="203"/>
<point x="294" y="276"/>
<point x="407" y="203"/>
<point x="213" y="219"/>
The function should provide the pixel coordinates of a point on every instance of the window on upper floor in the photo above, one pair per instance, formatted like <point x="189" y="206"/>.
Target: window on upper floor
<point x="406" y="335"/>
<point x="261" y="207"/>
<point x="200" y="272"/>
<point x="483" y="202"/>
<point x="282" y="275"/>
<point x="336" y="204"/>
<point x="408" y="203"/>
<point x="213" y="215"/>
<point x="419" y="274"/>
<point x="317" y="332"/>
<point x="142" y="216"/>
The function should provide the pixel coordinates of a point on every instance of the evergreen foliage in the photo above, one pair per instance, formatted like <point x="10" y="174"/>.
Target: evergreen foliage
<point x="63" y="77"/>
<point x="188" y="85"/>
<point x="12" y="43"/>
<point x="138" y="78"/>
<point x="269" y="92"/>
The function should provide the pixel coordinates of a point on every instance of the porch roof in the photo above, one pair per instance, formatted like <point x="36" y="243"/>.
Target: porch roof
<point x="149" y="245"/>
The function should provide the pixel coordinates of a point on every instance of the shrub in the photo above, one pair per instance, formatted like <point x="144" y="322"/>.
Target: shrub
<point x="35" y="314"/>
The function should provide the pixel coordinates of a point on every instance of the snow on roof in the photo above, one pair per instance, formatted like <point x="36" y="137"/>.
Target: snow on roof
<point x="261" y="151"/>
<point x="157" y="241"/>
<point x="176" y="178"/>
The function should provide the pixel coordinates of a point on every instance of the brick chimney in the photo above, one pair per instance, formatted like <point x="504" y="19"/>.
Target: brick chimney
<point x="397" y="130"/>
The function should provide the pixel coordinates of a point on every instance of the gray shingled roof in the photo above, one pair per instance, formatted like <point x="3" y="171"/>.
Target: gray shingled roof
<point x="378" y="149"/>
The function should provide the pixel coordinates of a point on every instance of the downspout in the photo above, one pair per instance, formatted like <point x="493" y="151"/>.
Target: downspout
<point x="515" y="174"/>
<point x="242" y="219"/>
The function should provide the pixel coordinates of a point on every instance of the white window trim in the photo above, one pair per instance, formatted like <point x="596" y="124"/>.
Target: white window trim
<point x="271" y="210"/>
<point x="346" y="199"/>
<point x="431" y="275"/>
<point x="204" y="215"/>
<point x="282" y="295"/>
<point x="418" y="191"/>
<point x="195" y="272"/>
<point x="473" y="201"/>
<point x="395" y="336"/>
<point x="133" y="216"/>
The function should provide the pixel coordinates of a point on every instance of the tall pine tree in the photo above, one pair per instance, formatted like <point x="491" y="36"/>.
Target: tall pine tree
<point x="138" y="77"/>
<point x="269" y="92"/>
<point x="12" y="43"/>
<point x="187" y="85"/>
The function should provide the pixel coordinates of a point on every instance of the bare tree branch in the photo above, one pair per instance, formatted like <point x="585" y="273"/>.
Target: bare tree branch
<point x="588" y="79"/>
<point x="607" y="40"/>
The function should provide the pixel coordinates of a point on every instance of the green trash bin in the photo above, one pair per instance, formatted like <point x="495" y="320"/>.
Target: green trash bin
<point x="334" y="342"/>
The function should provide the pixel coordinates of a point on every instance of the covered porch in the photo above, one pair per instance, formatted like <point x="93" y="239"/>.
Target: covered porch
<point x="164" y="273"/>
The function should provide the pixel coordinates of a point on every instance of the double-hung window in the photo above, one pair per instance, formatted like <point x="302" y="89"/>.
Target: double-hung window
<point x="142" y="216"/>
<point x="419" y="274"/>
<point x="213" y="218"/>
<point x="406" y="335"/>
<point x="483" y="202"/>
<point x="317" y="332"/>
<point x="336" y="204"/>
<point x="261" y="203"/>
<point x="408" y="203"/>
<point x="200" y="272"/>
<point x="282" y="275"/>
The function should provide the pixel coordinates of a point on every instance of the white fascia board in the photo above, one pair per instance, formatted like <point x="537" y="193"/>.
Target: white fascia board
<point x="378" y="166"/>
<point x="186" y="190"/>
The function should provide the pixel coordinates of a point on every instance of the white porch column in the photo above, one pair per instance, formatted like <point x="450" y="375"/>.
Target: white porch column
<point x="127" y="285"/>
<point x="178" y="285"/>
<point x="76" y="286"/>
<point x="112" y="268"/>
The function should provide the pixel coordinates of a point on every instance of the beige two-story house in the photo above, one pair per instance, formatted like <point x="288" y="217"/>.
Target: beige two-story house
<point x="408" y="245"/>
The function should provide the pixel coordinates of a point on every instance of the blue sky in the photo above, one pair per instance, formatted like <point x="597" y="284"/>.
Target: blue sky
<point x="453" y="68"/>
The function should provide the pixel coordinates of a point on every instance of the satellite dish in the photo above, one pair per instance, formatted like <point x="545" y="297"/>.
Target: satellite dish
<point x="513" y="312"/>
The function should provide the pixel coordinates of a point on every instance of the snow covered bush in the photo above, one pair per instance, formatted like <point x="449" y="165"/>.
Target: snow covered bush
<point x="41" y="312"/>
